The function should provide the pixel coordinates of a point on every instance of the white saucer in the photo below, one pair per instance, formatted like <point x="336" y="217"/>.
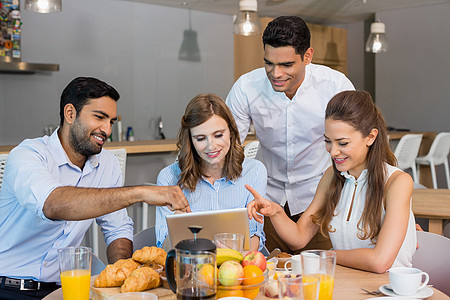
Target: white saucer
<point x="421" y="294"/>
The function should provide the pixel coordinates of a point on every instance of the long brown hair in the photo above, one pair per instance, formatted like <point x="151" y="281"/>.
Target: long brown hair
<point x="358" y="110"/>
<point x="199" y="110"/>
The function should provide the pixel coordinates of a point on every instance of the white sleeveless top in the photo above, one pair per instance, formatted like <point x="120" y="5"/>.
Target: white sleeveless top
<point x="345" y="236"/>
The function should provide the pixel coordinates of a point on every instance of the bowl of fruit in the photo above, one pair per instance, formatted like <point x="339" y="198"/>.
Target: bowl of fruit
<point x="240" y="276"/>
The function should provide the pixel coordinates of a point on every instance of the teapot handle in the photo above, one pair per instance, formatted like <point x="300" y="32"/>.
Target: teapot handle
<point x="169" y="270"/>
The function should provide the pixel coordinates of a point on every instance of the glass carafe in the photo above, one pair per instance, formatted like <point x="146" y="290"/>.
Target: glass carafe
<point x="191" y="268"/>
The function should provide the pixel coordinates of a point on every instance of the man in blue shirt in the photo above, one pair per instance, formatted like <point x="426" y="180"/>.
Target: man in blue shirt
<point x="54" y="186"/>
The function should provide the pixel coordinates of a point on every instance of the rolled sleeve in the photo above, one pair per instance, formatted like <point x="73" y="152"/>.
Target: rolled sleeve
<point x="116" y="225"/>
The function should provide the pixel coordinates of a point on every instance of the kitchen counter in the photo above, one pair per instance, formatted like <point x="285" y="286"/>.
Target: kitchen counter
<point x="136" y="147"/>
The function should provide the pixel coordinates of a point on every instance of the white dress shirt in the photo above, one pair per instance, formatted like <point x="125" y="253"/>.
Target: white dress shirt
<point x="345" y="236"/>
<point x="290" y="132"/>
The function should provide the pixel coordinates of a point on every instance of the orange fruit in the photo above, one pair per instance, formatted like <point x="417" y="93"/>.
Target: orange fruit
<point x="252" y="275"/>
<point x="251" y="293"/>
<point x="206" y="274"/>
<point x="233" y="291"/>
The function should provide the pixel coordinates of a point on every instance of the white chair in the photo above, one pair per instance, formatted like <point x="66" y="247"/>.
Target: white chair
<point x="144" y="238"/>
<point x="121" y="155"/>
<point x="432" y="257"/>
<point x="251" y="149"/>
<point x="437" y="155"/>
<point x="3" y="158"/>
<point x="406" y="153"/>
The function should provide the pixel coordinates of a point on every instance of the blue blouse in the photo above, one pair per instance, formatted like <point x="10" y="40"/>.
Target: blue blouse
<point x="223" y="194"/>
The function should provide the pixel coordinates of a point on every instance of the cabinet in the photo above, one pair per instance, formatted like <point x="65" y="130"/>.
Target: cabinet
<point x="329" y="44"/>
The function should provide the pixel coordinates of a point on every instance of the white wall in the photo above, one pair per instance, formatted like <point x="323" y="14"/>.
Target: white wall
<point x="132" y="46"/>
<point x="413" y="78"/>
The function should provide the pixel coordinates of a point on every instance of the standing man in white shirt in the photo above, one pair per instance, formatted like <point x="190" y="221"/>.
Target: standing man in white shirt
<point x="286" y="102"/>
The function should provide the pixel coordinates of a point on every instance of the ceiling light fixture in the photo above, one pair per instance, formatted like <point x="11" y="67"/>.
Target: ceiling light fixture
<point x="247" y="21"/>
<point x="189" y="50"/>
<point x="377" y="41"/>
<point x="43" y="6"/>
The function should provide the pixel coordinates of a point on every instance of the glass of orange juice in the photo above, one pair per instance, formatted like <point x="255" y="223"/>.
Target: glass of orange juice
<point x="321" y="263"/>
<point x="293" y="286"/>
<point x="75" y="272"/>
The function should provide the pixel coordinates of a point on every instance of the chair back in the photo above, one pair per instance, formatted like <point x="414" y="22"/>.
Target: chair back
<point x="146" y="237"/>
<point x="440" y="148"/>
<point x="251" y="149"/>
<point x="96" y="265"/>
<point x="121" y="155"/>
<point x="3" y="158"/>
<point x="432" y="257"/>
<point x="407" y="150"/>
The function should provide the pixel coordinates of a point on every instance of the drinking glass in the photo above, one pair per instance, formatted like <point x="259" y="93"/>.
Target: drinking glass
<point x="75" y="272"/>
<point x="320" y="263"/>
<point x="229" y="240"/>
<point x="292" y="285"/>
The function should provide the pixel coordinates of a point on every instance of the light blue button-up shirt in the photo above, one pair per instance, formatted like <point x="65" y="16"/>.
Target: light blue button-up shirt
<point x="223" y="194"/>
<point x="28" y="239"/>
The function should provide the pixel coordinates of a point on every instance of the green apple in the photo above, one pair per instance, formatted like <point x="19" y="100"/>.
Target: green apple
<point x="231" y="273"/>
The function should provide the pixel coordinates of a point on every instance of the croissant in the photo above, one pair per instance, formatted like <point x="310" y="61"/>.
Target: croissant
<point x="141" y="279"/>
<point x="150" y="254"/>
<point x="115" y="274"/>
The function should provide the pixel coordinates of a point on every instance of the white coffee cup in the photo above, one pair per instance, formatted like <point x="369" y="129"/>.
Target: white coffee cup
<point x="407" y="281"/>
<point x="296" y="264"/>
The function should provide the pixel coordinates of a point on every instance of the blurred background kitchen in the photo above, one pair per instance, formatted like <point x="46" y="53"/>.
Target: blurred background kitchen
<point x="135" y="47"/>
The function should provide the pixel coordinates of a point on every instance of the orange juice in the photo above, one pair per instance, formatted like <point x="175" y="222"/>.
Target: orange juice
<point x="310" y="290"/>
<point x="75" y="284"/>
<point x="326" y="287"/>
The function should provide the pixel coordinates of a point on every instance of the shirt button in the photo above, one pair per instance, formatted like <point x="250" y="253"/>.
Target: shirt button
<point x="45" y="264"/>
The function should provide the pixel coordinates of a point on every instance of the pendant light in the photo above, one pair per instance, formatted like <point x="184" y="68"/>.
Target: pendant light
<point x="377" y="41"/>
<point x="247" y="21"/>
<point x="189" y="50"/>
<point x="43" y="6"/>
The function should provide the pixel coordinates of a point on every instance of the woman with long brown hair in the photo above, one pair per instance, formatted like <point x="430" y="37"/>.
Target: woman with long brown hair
<point x="211" y="169"/>
<point x="362" y="201"/>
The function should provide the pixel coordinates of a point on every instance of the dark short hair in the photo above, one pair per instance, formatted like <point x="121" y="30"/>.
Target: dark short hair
<point x="288" y="31"/>
<point x="82" y="89"/>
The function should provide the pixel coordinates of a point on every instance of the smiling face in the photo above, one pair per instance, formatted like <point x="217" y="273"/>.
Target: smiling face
<point x="285" y="68"/>
<point x="211" y="141"/>
<point x="92" y="126"/>
<point x="347" y="146"/>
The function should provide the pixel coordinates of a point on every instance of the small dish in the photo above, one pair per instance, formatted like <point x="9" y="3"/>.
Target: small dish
<point x="421" y="294"/>
<point x="391" y="298"/>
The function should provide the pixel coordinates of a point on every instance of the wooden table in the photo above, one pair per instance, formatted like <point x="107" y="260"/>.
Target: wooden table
<point x="347" y="285"/>
<point x="433" y="204"/>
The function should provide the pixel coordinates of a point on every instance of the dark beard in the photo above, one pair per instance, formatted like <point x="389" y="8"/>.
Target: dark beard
<point x="79" y="139"/>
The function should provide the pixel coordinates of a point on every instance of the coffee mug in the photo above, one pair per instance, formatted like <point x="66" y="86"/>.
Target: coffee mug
<point x="407" y="281"/>
<point x="296" y="264"/>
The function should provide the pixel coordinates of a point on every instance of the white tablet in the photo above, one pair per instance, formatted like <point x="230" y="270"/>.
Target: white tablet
<point x="218" y="221"/>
